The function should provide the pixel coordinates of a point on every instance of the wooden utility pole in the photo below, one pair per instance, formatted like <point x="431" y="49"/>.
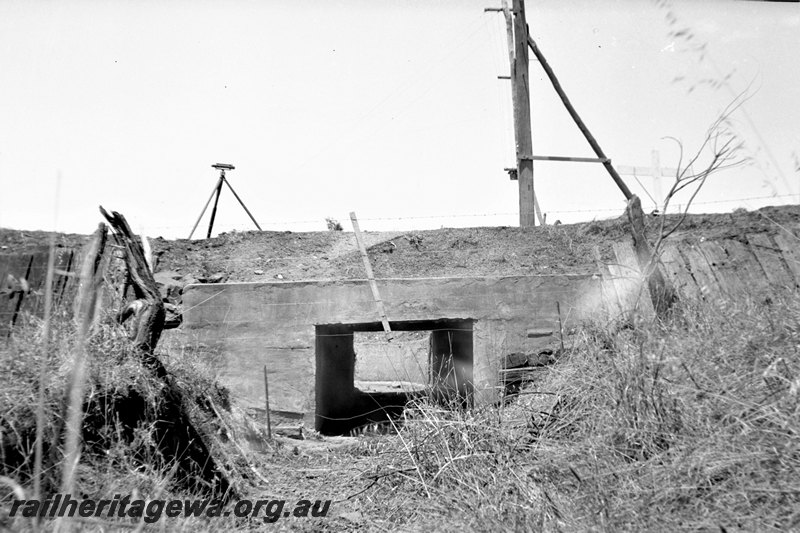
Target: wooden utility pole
<point x="522" y="115"/>
<point x="520" y="93"/>
<point x="517" y="100"/>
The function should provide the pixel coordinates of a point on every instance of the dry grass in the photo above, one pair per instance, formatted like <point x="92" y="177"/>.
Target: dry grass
<point x="121" y="409"/>
<point x="113" y="371"/>
<point x="692" y="425"/>
<point x="689" y="425"/>
<point x="684" y="426"/>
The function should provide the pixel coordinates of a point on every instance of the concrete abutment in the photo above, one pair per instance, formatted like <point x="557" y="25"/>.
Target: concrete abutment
<point x="303" y="332"/>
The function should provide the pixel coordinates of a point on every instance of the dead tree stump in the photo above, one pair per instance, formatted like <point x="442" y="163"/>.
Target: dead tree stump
<point x="179" y="435"/>
<point x="662" y="292"/>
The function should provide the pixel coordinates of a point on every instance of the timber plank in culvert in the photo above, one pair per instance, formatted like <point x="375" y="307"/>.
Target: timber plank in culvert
<point x="790" y="254"/>
<point x="32" y="303"/>
<point x="677" y="273"/>
<point x="5" y="298"/>
<point x="17" y="267"/>
<point x="720" y="266"/>
<point x="32" y="268"/>
<point x="748" y="270"/>
<point x="703" y="275"/>
<point x="769" y="256"/>
<point x="65" y="267"/>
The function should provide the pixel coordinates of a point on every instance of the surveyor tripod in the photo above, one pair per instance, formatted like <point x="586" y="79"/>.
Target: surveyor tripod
<point x="222" y="167"/>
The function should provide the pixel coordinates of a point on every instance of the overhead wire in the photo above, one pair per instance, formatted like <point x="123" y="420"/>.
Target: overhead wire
<point x="467" y="215"/>
<point x="502" y="90"/>
<point x="470" y="215"/>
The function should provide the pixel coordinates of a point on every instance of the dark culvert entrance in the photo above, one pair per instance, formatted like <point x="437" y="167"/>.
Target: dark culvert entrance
<point x="342" y="406"/>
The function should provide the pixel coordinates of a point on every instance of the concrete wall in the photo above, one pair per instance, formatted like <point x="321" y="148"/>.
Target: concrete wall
<point x="255" y="324"/>
<point x="401" y="357"/>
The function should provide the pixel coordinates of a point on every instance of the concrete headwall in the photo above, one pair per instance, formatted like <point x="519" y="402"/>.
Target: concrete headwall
<point x="251" y="325"/>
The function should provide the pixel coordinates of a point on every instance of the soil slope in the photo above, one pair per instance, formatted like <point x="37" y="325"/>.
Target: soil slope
<point x="485" y="251"/>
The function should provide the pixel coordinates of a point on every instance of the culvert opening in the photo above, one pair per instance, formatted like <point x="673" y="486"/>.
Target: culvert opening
<point x="365" y="378"/>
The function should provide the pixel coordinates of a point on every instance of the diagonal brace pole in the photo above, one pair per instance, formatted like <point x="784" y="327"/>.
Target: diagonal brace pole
<point x="574" y="114"/>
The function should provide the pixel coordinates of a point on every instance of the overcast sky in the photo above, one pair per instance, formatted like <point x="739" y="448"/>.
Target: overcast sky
<point x="391" y="109"/>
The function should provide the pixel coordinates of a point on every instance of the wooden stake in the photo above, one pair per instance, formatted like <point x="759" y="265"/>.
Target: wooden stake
<point x="560" y="325"/>
<point x="266" y="400"/>
<point x="370" y="276"/>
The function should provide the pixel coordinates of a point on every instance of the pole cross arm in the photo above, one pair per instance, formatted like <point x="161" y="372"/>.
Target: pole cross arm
<point x="603" y="160"/>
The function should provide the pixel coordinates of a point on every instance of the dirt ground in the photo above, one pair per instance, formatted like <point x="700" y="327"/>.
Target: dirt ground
<point x="484" y="251"/>
<point x="340" y="469"/>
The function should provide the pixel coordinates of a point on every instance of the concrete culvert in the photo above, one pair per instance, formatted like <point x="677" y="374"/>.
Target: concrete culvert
<point x="354" y="393"/>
